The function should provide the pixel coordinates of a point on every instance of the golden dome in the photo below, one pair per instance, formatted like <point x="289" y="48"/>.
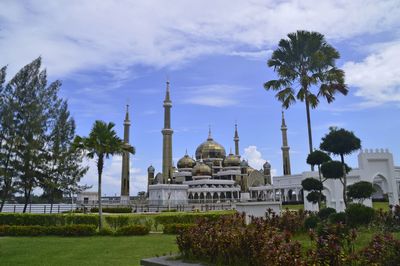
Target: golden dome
<point x="186" y="162"/>
<point x="201" y="169"/>
<point x="210" y="149"/>
<point x="232" y="160"/>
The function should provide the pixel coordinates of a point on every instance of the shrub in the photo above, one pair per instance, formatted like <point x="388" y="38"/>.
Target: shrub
<point x="335" y="218"/>
<point x="358" y="214"/>
<point x="292" y="221"/>
<point x="116" y="221"/>
<point x="112" y="209"/>
<point x="171" y="210"/>
<point x="311" y="222"/>
<point x="324" y="213"/>
<point x="47" y="219"/>
<point x="37" y="230"/>
<point x="176" y="228"/>
<point x="382" y="250"/>
<point x="105" y="231"/>
<point x="187" y="218"/>
<point x="132" y="230"/>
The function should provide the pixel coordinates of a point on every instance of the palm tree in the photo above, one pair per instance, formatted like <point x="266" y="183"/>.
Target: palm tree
<point x="303" y="62"/>
<point x="102" y="143"/>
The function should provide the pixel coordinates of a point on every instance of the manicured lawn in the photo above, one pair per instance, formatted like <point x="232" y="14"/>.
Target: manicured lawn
<point x="376" y="205"/>
<point x="98" y="250"/>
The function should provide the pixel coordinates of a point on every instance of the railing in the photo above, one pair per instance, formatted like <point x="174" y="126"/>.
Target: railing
<point x="39" y="208"/>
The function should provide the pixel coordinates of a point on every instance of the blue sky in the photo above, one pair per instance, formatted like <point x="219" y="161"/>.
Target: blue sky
<point x="110" y="53"/>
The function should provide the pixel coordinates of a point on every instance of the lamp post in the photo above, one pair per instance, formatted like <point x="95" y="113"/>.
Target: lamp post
<point x="169" y="192"/>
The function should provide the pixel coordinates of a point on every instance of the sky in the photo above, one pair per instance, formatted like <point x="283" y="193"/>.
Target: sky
<point x="214" y="53"/>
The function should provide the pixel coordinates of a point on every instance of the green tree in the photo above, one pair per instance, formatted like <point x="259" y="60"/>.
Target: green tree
<point x="318" y="157"/>
<point x="315" y="187"/>
<point x="102" y="143"/>
<point x="63" y="169"/>
<point x="360" y="191"/>
<point x="341" y="142"/>
<point x="306" y="61"/>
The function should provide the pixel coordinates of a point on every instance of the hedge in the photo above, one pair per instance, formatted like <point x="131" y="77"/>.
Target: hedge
<point x="132" y="230"/>
<point x="113" y="209"/>
<point x="37" y="230"/>
<point x="176" y="228"/>
<point x="47" y="219"/>
<point x="187" y="218"/>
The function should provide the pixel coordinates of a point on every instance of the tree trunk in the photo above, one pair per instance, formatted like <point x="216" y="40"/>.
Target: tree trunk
<point x="320" y="191"/>
<point x="100" y="164"/>
<point x="309" y="127"/>
<point x="2" y="204"/>
<point x="27" y="198"/>
<point x="344" y="180"/>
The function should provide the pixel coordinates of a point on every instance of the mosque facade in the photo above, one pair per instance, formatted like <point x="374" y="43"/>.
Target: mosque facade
<point x="214" y="176"/>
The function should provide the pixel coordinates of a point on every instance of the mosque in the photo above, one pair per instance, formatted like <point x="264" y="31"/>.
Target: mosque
<point x="214" y="177"/>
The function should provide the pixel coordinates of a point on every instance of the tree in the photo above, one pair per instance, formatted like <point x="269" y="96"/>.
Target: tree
<point x="360" y="191"/>
<point x="63" y="170"/>
<point x="318" y="157"/>
<point x="305" y="60"/>
<point x="341" y="142"/>
<point x="315" y="187"/>
<point x="102" y="143"/>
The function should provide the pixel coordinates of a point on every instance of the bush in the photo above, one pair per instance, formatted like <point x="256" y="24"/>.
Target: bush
<point x="47" y="219"/>
<point x="116" y="221"/>
<point x="335" y="218"/>
<point x="324" y="213"/>
<point x="132" y="230"/>
<point x="382" y="250"/>
<point x="358" y="214"/>
<point x="105" y="232"/>
<point x="176" y="228"/>
<point x="37" y="230"/>
<point x="171" y="210"/>
<point x="311" y="222"/>
<point x="112" y="209"/>
<point x="187" y="218"/>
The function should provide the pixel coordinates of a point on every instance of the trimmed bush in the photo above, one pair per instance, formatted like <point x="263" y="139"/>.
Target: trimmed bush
<point x="311" y="222"/>
<point x="176" y="228"/>
<point x="358" y="214"/>
<point x="37" y="230"/>
<point x="47" y="219"/>
<point x="335" y="218"/>
<point x="187" y="218"/>
<point x="132" y="230"/>
<point x="324" y="213"/>
<point x="105" y="231"/>
<point x="112" y="209"/>
<point x="115" y="221"/>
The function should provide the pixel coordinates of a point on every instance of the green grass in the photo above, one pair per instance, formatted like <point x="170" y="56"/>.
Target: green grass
<point x="98" y="250"/>
<point x="375" y="205"/>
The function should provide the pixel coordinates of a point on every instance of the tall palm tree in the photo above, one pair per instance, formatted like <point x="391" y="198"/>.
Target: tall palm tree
<point x="305" y="64"/>
<point x="102" y="143"/>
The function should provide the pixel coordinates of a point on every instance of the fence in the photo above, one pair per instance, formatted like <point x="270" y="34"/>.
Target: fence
<point x="39" y="208"/>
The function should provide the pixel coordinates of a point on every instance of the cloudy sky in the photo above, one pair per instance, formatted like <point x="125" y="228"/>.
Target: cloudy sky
<point x="110" y="53"/>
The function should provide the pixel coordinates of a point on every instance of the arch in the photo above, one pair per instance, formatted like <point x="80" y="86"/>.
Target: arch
<point x="222" y="197"/>
<point x="196" y="196"/>
<point x="378" y="194"/>
<point x="290" y="195"/>
<point x="190" y="195"/>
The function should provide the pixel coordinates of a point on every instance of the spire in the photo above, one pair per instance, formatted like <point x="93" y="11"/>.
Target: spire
<point x="236" y="140"/>
<point x="167" y="137"/>
<point x="283" y="120"/>
<point x="167" y="98"/>
<point x="209" y="133"/>
<point x="127" y="114"/>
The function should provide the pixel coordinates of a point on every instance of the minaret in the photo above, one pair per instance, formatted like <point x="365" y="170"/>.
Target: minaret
<point x="125" y="160"/>
<point x="285" y="148"/>
<point x="167" y="139"/>
<point x="236" y="140"/>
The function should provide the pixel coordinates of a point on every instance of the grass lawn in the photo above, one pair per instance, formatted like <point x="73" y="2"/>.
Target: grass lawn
<point x="98" y="250"/>
<point x="376" y="205"/>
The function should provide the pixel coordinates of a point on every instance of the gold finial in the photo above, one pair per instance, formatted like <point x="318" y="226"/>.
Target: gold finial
<point x="209" y="133"/>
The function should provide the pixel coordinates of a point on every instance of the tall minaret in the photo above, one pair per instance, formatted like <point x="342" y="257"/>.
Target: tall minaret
<point x="167" y="139"/>
<point x="125" y="160"/>
<point x="236" y="140"/>
<point x="285" y="148"/>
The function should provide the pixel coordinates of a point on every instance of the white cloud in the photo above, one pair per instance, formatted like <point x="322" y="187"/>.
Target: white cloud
<point x="216" y="95"/>
<point x="377" y="76"/>
<point x="114" y="35"/>
<point x="254" y="157"/>
<point x="111" y="178"/>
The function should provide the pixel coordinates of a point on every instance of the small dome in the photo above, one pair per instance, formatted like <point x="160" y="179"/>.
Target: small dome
<point x="267" y="165"/>
<point x="210" y="149"/>
<point x="201" y="169"/>
<point x="232" y="160"/>
<point x="186" y="162"/>
<point x="151" y="169"/>
<point x="244" y="164"/>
